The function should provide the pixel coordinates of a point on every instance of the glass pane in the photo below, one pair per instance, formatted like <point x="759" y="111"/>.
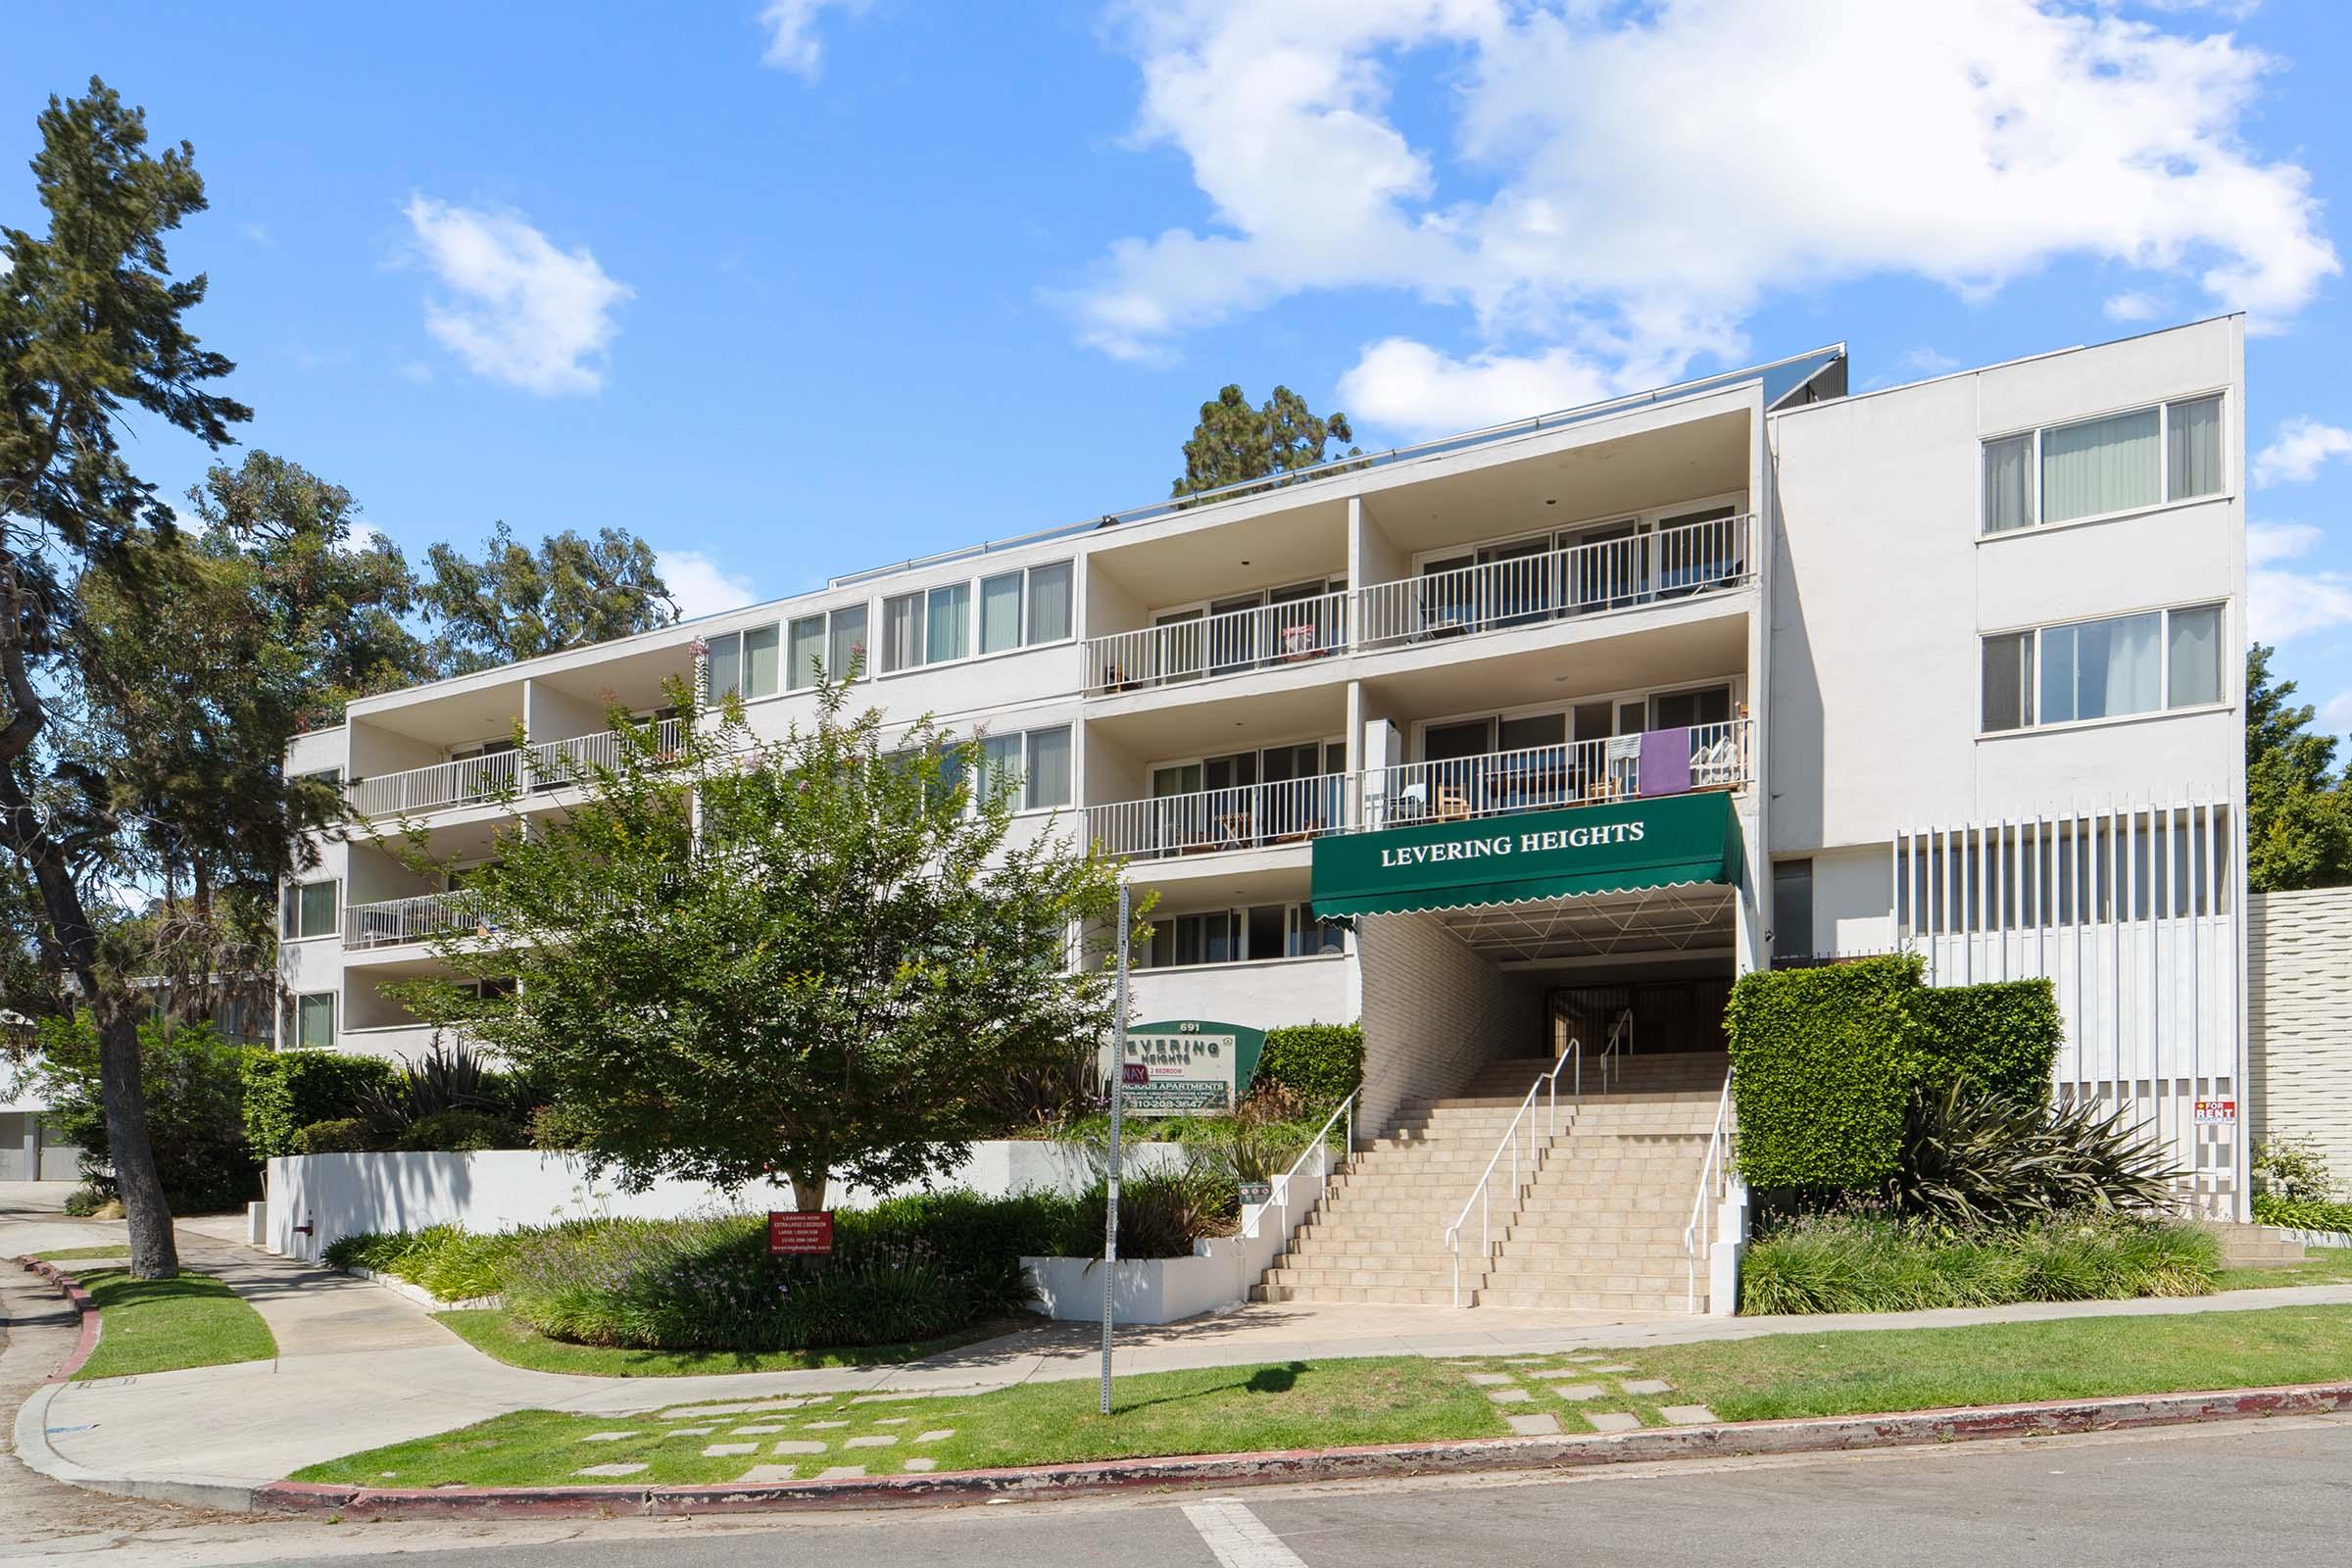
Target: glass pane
<point x="1187" y="938"/>
<point x="999" y="765"/>
<point x="846" y="647"/>
<point x="951" y="634"/>
<point x="2192" y="461"/>
<point x="759" y="662"/>
<point x="1445" y="742"/>
<point x="318" y="908"/>
<point x="2196" y="651"/>
<point x="1001" y="612"/>
<point x="2099" y="466"/>
<point x="1265" y="931"/>
<point x="2115" y="666"/>
<point x="726" y="666"/>
<point x="2008" y="484"/>
<point x="1792" y="908"/>
<point x="1543" y="729"/>
<point x="2005" y="682"/>
<point x="804" y="651"/>
<point x="1164" y="943"/>
<point x="1592" y="721"/>
<point x="1049" y="767"/>
<point x="315" y="1020"/>
<point x="902" y="632"/>
<point x="2057" y="705"/>
<point x="1049" y="602"/>
<point x="1218" y="941"/>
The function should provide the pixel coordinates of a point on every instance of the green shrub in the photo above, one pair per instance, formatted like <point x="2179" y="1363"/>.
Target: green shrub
<point x="1974" y="1158"/>
<point x="2302" y="1213"/>
<point x="287" y="1091"/>
<point x="2292" y="1168"/>
<point x="1860" y="1262"/>
<point x="1323" y="1063"/>
<point x="1823" y="1063"/>
<point x="462" y="1132"/>
<point x="193" y="1082"/>
<point x="452" y="1078"/>
<point x="454" y="1265"/>
<point x="2004" y="1034"/>
<point x="343" y="1135"/>
<point x="84" y="1201"/>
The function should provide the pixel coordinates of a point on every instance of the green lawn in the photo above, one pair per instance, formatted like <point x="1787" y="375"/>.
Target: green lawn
<point x="166" y="1325"/>
<point x="501" y="1339"/>
<point x="1335" y="1404"/>
<point x="2321" y="1265"/>
<point x="76" y="1254"/>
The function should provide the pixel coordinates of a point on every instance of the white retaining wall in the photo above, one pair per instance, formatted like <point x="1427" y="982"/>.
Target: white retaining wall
<point x="2299" y="1018"/>
<point x="1434" y="1013"/>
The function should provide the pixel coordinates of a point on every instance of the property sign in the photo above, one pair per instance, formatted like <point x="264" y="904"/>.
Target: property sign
<point x="2216" y="1112"/>
<point x="794" y="1234"/>
<point x="1188" y="1066"/>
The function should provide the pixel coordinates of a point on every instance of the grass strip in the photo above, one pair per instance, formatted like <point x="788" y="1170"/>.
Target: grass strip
<point x="168" y="1325"/>
<point x="1393" y="1400"/>
<point x="503" y="1338"/>
<point x="79" y="1254"/>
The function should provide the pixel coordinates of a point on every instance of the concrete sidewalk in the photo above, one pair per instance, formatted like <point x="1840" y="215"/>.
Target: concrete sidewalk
<point x="359" y="1366"/>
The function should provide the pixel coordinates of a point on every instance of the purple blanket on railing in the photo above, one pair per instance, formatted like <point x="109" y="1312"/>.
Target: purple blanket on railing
<point x="1666" y="762"/>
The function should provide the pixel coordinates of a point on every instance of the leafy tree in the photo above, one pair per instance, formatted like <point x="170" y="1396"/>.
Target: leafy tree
<point x="92" y="333"/>
<point x="193" y="1082"/>
<point x="1234" y="442"/>
<point x="2298" y="814"/>
<point x="518" y="602"/>
<point x="811" y="956"/>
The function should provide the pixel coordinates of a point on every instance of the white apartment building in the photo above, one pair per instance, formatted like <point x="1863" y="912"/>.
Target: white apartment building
<point x="1495" y="741"/>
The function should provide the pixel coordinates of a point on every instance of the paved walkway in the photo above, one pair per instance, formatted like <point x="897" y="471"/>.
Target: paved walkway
<point x="359" y="1365"/>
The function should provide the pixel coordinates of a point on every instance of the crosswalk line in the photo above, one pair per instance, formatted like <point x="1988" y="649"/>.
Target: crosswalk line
<point x="1239" y="1538"/>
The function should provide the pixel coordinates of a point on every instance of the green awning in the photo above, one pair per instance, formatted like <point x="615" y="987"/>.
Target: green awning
<point x="1622" y="846"/>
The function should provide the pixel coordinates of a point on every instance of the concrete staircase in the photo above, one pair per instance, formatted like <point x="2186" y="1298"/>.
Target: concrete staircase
<point x="1596" y="1223"/>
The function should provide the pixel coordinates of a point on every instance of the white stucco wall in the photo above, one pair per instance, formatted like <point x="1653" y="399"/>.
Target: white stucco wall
<point x="1257" y="996"/>
<point x="1434" y="1013"/>
<point x="2300" y="1059"/>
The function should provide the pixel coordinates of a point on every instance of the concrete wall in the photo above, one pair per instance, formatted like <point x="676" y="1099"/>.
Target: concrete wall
<point x="1260" y="995"/>
<point x="2300" y="1062"/>
<point x="1434" y="1013"/>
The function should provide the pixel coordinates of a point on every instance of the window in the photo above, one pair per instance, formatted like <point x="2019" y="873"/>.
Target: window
<point x="332" y="777"/>
<point x="2107" y="668"/>
<point x="315" y="1020"/>
<point x="902" y="632"/>
<point x="306" y="909"/>
<point x="844" y="641"/>
<point x="2116" y="462"/>
<point x="1255" y="935"/>
<point x="726" y="664"/>
<point x="949" y="633"/>
<point x="1050" y="602"/>
<point x="1000" y="765"/>
<point x="744" y="662"/>
<point x="1049" y="767"/>
<point x="1792" y="908"/>
<point x="1311" y="938"/>
<point x="803" y="653"/>
<point x="1001" y="612"/>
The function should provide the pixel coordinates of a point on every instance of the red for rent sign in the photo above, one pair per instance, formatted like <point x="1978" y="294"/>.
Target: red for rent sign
<point x="798" y="1234"/>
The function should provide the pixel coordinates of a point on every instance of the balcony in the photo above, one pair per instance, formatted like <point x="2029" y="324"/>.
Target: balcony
<point x="395" y="922"/>
<point x="480" y="780"/>
<point x="1712" y="757"/>
<point x="1661" y="567"/>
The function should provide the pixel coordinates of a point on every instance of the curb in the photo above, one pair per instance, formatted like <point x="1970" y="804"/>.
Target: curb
<point x="70" y="1289"/>
<point x="416" y="1292"/>
<point x="1817" y="1434"/>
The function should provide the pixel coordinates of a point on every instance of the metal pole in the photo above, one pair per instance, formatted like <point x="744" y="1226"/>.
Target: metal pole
<point x="1118" y="1114"/>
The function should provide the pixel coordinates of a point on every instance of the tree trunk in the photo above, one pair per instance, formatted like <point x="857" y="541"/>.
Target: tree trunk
<point x="808" y="1192"/>
<point x="154" y="1253"/>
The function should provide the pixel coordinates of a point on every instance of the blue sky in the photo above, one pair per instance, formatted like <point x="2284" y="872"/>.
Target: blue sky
<point x="798" y="287"/>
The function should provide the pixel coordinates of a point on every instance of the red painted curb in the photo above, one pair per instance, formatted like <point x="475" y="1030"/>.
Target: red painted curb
<point x="1816" y="1434"/>
<point x="74" y="1293"/>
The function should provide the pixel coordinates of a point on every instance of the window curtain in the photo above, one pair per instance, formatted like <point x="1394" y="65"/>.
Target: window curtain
<point x="1048" y="768"/>
<point x="951" y="628"/>
<point x="1050" y="602"/>
<point x="805" y="651"/>
<point x="2196" y="657"/>
<point x="902" y="632"/>
<point x="315" y="1020"/>
<point x="846" y="645"/>
<point x="2099" y="466"/>
<point x="2193" y="449"/>
<point x="1000" y="765"/>
<point x="759" y="662"/>
<point x="2009" y="484"/>
<point x="2132" y="661"/>
<point x="726" y="664"/>
<point x="1001" y="612"/>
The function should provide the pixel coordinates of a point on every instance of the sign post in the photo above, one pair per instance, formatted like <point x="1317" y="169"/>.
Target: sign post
<point x="1118" y="1110"/>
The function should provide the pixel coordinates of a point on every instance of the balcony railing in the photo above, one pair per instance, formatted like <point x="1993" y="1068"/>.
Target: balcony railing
<point x="394" y="921"/>
<point x="474" y="780"/>
<point x="1497" y="783"/>
<point x="1660" y="567"/>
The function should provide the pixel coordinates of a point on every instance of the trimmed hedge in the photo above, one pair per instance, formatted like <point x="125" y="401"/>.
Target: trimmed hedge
<point x="339" y="1135"/>
<point x="1825" y="1061"/>
<point x="461" y="1132"/>
<point x="1322" y="1064"/>
<point x="288" y="1091"/>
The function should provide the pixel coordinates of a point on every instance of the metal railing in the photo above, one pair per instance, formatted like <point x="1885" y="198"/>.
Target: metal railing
<point x="1714" y="1184"/>
<point x="1320" y="1152"/>
<point x="394" y="921"/>
<point x="1243" y="816"/>
<point x="476" y="780"/>
<point x="1292" y="633"/>
<point x="1620" y="1042"/>
<point x="1548" y="1084"/>
<point x="1642" y="568"/>
<point x="1540" y="777"/>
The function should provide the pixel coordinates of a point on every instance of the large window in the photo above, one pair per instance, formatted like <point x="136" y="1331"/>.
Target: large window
<point x="823" y="644"/>
<point x="1037" y="765"/>
<point x="1249" y="935"/>
<point x="313" y="1021"/>
<point x="306" y="909"/>
<point x="2117" y="463"/>
<point x="1016" y="608"/>
<point x="745" y="662"/>
<point x="2109" y="668"/>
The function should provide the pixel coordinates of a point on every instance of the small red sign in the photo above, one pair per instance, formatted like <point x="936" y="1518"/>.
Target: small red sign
<point x="798" y="1234"/>
<point x="2216" y="1112"/>
<point x="1134" y="1073"/>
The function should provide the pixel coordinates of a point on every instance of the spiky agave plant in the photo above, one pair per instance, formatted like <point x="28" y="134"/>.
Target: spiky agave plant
<point x="1973" y="1158"/>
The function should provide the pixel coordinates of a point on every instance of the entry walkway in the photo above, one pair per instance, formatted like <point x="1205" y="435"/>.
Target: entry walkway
<point x="359" y="1366"/>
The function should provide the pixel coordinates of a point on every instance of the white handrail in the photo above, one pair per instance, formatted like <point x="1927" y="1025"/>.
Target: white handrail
<point x="1622" y="1029"/>
<point x="1321" y="1147"/>
<point x="1535" y="779"/>
<point x="1711" y="1171"/>
<point x="1510" y="1141"/>
<point x="1288" y="632"/>
<point x="1237" y="818"/>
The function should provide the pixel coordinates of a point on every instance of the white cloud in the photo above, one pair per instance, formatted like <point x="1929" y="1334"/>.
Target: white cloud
<point x="360" y="537"/>
<point x="1402" y="385"/>
<point x="2134" y="305"/>
<point x="700" y="585"/>
<point x="520" y="310"/>
<point x="2296" y="452"/>
<point x="1928" y="362"/>
<point x="792" y="42"/>
<point x="2337" y="712"/>
<point x="1631" y="181"/>
<point x="2286" y="601"/>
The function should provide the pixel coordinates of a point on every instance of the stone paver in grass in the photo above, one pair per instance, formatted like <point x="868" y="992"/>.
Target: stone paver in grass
<point x="1490" y="1379"/>
<point x="920" y="1465"/>
<point x="689" y="1432"/>
<point x="758" y="1431"/>
<point x="892" y="1421"/>
<point x="1579" y="1391"/>
<point x="1534" y="1426"/>
<point x="1509" y="1395"/>
<point x="609" y="1470"/>
<point x="938" y="1435"/>
<point x="1687" y="1415"/>
<point x="815" y="1424"/>
<point x="761" y="1475"/>
<point x="1611" y="1367"/>
<point x="1613" y="1421"/>
<point x="608" y="1436"/>
<point x="796" y="1445"/>
<point x="722" y="1450"/>
<point x="878" y="1440"/>
<point x="1646" y="1386"/>
<point x="842" y="1472"/>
